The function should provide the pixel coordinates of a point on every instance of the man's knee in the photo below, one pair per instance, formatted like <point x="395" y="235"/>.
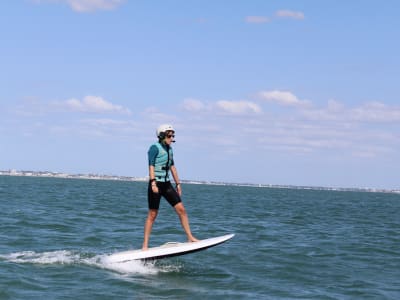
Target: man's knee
<point x="152" y="215"/>
<point x="180" y="209"/>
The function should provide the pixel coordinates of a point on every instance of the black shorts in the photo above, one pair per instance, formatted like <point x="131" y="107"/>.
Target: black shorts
<point x="166" y="190"/>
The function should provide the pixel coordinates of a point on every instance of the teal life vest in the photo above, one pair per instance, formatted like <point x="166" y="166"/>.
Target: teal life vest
<point x="164" y="161"/>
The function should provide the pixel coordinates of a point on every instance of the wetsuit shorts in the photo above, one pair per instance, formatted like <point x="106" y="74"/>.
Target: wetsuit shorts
<point x="166" y="190"/>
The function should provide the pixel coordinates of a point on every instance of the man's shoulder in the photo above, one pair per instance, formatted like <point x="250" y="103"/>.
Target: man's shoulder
<point x="153" y="149"/>
<point x="154" y="146"/>
<point x="157" y="147"/>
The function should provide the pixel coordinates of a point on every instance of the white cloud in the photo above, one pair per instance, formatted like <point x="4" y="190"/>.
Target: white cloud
<point x="108" y="122"/>
<point x="238" y="107"/>
<point x="335" y="131"/>
<point x="93" y="104"/>
<point x="103" y="128"/>
<point x="193" y="105"/>
<point x="224" y="106"/>
<point x="92" y="5"/>
<point x="280" y="14"/>
<point x="370" y="112"/>
<point x="111" y="127"/>
<point x="155" y="115"/>
<point x="335" y="106"/>
<point x="257" y="19"/>
<point x="376" y="112"/>
<point x="296" y="15"/>
<point x="283" y="98"/>
<point x="84" y="6"/>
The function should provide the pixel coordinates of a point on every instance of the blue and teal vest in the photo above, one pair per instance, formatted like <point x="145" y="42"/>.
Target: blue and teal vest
<point x="164" y="161"/>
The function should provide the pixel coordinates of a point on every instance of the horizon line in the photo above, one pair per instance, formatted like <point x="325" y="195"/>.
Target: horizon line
<point x="95" y="176"/>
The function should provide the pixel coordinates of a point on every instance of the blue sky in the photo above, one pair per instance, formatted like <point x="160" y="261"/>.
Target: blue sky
<point x="278" y="92"/>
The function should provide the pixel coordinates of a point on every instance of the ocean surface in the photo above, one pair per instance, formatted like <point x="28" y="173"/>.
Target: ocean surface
<point x="289" y="243"/>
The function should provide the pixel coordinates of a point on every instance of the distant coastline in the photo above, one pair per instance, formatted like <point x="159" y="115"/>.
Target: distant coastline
<point x="144" y="179"/>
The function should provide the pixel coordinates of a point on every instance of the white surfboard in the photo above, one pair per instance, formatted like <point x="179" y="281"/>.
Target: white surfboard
<point x="167" y="250"/>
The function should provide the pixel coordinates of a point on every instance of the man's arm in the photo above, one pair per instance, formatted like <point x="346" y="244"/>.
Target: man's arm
<point x="174" y="173"/>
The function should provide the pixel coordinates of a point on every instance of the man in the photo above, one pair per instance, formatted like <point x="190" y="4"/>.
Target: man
<point x="161" y="163"/>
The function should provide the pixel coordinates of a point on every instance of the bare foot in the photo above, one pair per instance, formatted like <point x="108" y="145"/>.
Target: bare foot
<point x="193" y="239"/>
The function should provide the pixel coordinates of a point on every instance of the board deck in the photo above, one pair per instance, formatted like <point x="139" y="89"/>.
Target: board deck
<point x="167" y="250"/>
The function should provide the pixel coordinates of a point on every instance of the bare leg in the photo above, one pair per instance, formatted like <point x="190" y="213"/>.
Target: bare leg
<point x="151" y="217"/>
<point x="181" y="211"/>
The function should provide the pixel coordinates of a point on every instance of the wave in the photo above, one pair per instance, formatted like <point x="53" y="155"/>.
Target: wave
<point x="67" y="257"/>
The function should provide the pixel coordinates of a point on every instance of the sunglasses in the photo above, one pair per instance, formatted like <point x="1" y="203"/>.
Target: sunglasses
<point x="170" y="136"/>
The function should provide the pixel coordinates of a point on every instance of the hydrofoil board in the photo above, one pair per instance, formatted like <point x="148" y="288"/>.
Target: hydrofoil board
<point x="167" y="250"/>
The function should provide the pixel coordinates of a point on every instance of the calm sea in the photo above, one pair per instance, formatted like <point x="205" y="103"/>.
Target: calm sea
<point x="289" y="244"/>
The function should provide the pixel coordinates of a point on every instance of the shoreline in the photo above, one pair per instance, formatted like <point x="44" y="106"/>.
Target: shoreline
<point x="49" y="174"/>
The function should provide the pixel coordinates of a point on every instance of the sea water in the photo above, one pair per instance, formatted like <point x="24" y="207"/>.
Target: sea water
<point x="289" y="243"/>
